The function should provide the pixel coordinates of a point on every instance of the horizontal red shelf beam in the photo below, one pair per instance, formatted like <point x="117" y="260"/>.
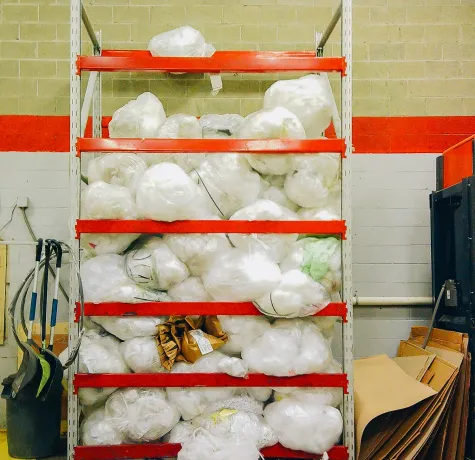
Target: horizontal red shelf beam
<point x="139" y="451"/>
<point x="160" y="380"/>
<point x="322" y="227"/>
<point x="220" y="62"/>
<point x="261" y="146"/>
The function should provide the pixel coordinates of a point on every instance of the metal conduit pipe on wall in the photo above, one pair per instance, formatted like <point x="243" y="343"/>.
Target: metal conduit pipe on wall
<point x="392" y="301"/>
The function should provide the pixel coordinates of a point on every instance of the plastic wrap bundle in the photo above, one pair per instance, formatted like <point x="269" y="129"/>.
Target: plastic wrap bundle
<point x="191" y="402"/>
<point x="180" y="433"/>
<point x="240" y="401"/>
<point x="220" y="126"/>
<point x="274" y="123"/>
<point x="141" y="414"/>
<point x="273" y="246"/>
<point x="126" y="328"/>
<point x="297" y="295"/>
<point x="278" y="195"/>
<point x="139" y="118"/>
<point x="105" y="280"/>
<point x="116" y="169"/>
<point x="228" y="183"/>
<point x="105" y="201"/>
<point x="153" y="265"/>
<point x="197" y="250"/>
<point x="183" y="41"/>
<point x="97" y="430"/>
<point x="107" y="243"/>
<point x="290" y="347"/>
<point x="308" y="97"/>
<point x="241" y="330"/>
<point x="318" y="257"/>
<point x="303" y="426"/>
<point x="260" y="393"/>
<point x="311" y="396"/>
<point x="141" y="355"/>
<point x="190" y="290"/>
<point x="166" y="192"/>
<point x="325" y="213"/>
<point x="326" y="324"/>
<point x="240" y="276"/>
<point x="206" y="446"/>
<point x="328" y="165"/>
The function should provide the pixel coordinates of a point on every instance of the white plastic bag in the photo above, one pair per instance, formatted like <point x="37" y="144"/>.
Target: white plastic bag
<point x="311" y="396"/>
<point x="273" y="123"/>
<point x="241" y="330"/>
<point x="240" y="276"/>
<point x="274" y="246"/>
<point x="166" y="192"/>
<point x="107" y="243"/>
<point x="220" y="126"/>
<point x="105" y="201"/>
<point x="141" y="355"/>
<point x="328" y="165"/>
<point x="153" y="265"/>
<point x="290" y="347"/>
<point x="126" y="328"/>
<point x="105" y="280"/>
<point x="326" y="324"/>
<point x="183" y="41"/>
<point x="190" y="290"/>
<point x="278" y="195"/>
<point x="197" y="250"/>
<point x="297" y="295"/>
<point x="302" y="426"/>
<point x="141" y="414"/>
<point x="116" y="169"/>
<point x="325" y="213"/>
<point x="307" y="97"/>
<point x="227" y="182"/>
<point x="97" y="430"/>
<point x="139" y="118"/>
<point x="180" y="433"/>
<point x="318" y="257"/>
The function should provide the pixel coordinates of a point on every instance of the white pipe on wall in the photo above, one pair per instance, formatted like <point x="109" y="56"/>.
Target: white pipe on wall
<point x="392" y="301"/>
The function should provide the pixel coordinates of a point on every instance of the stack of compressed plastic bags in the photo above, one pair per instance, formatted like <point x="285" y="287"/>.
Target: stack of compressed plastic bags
<point x="288" y="277"/>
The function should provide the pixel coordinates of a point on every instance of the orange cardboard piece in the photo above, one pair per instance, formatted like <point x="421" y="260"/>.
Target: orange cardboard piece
<point x="465" y="409"/>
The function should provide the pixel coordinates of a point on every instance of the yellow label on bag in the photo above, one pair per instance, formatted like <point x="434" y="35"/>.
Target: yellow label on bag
<point x="218" y="416"/>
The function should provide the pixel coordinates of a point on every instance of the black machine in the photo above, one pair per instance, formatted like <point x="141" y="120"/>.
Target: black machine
<point x="453" y="253"/>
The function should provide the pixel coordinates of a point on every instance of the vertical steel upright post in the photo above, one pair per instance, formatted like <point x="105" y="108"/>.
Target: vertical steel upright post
<point x="346" y="109"/>
<point x="97" y="98"/>
<point x="74" y="190"/>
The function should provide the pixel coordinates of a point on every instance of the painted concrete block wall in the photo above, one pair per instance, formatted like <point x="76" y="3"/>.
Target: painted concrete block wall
<point x="412" y="57"/>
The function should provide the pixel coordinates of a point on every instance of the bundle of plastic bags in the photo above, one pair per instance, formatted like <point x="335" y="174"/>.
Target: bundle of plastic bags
<point x="240" y="276"/>
<point x="311" y="396"/>
<point x="141" y="414"/>
<point x="165" y="192"/>
<point x="183" y="41"/>
<point x="272" y="123"/>
<point x="228" y="183"/>
<point x="274" y="246"/>
<point x="326" y="324"/>
<point x="296" y="295"/>
<point x="192" y="402"/>
<point x="105" y="201"/>
<point x="308" y="97"/>
<point x="97" y="430"/>
<point x="105" y="279"/>
<point x="278" y="195"/>
<point x="220" y="126"/>
<point x="318" y="257"/>
<point x="141" y="355"/>
<point x="139" y="118"/>
<point x="190" y="290"/>
<point x="304" y="426"/>
<point x="107" y="243"/>
<point x="153" y="265"/>
<point x="197" y="250"/>
<point x="126" y="328"/>
<point x="290" y="347"/>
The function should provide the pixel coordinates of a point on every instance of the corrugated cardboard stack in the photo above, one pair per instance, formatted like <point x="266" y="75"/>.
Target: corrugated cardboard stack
<point x="414" y="406"/>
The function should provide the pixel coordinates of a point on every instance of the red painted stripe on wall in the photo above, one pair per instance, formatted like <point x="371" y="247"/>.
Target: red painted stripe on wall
<point x="31" y="133"/>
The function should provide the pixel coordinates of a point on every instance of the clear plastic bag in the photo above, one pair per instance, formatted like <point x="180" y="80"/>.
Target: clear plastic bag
<point x="190" y="290"/>
<point x="127" y="328"/>
<point x="240" y="276"/>
<point x="105" y="201"/>
<point x="141" y="414"/>
<point x="220" y="126"/>
<point x="311" y="396"/>
<point x="139" y="118"/>
<point x="141" y="355"/>
<point x="303" y="426"/>
<point x="318" y="257"/>
<point x="180" y="433"/>
<point x="274" y="246"/>
<point x="307" y="97"/>
<point x="97" y="430"/>
<point x="326" y="324"/>
<point x="278" y="195"/>
<point x="107" y="243"/>
<point x="227" y="182"/>
<point x="290" y="347"/>
<point x="153" y="265"/>
<point x="325" y="213"/>
<point x="273" y="123"/>
<point x="165" y="192"/>
<point x="198" y="250"/>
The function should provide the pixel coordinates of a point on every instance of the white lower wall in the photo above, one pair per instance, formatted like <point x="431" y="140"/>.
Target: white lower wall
<point x="391" y="246"/>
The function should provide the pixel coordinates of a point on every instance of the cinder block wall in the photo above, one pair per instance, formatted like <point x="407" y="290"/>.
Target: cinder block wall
<point x="412" y="57"/>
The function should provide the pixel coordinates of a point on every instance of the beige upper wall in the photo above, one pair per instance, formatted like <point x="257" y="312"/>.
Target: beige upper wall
<point x="411" y="57"/>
